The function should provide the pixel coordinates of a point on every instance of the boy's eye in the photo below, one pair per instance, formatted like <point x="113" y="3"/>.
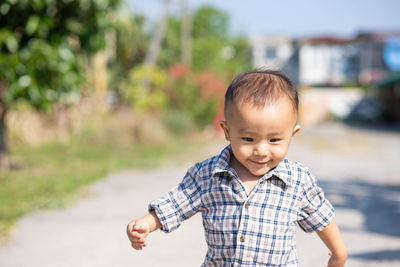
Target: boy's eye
<point x="247" y="139"/>
<point x="274" y="140"/>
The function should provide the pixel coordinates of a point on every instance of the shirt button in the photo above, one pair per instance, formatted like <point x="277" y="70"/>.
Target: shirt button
<point x="242" y="239"/>
<point x="247" y="205"/>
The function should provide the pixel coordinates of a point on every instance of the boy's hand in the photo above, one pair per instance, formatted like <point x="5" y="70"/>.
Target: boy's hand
<point x="137" y="231"/>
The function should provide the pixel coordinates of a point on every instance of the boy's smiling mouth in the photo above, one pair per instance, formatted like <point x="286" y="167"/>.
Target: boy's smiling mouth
<point x="260" y="162"/>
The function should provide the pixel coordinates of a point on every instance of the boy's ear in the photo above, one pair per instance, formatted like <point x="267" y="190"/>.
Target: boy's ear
<point x="224" y="127"/>
<point x="296" y="129"/>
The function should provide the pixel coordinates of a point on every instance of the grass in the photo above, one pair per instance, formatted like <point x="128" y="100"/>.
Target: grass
<point x="55" y="175"/>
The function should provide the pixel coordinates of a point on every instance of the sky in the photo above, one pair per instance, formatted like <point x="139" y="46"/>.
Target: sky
<point x="293" y="18"/>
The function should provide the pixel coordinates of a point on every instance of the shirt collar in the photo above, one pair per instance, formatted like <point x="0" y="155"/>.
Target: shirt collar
<point x="221" y="164"/>
<point x="281" y="171"/>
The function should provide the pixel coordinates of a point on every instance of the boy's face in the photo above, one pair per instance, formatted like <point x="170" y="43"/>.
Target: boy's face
<point x="260" y="137"/>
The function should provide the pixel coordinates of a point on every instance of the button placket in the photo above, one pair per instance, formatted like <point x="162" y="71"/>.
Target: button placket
<point x="244" y="224"/>
<point x="245" y="211"/>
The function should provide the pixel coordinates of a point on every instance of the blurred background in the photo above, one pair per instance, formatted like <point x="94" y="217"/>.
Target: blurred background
<point x="90" y="87"/>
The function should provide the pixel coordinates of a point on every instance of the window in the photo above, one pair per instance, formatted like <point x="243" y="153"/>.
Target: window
<point x="270" y="53"/>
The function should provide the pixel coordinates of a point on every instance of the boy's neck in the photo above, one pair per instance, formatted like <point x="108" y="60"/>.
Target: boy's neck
<point x="248" y="179"/>
<point x="243" y="173"/>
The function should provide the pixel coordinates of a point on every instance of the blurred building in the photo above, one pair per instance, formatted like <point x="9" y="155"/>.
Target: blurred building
<point x="371" y="65"/>
<point x="325" y="60"/>
<point x="276" y="52"/>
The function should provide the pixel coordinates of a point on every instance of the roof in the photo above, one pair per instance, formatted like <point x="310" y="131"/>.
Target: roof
<point x="326" y="40"/>
<point x="377" y="36"/>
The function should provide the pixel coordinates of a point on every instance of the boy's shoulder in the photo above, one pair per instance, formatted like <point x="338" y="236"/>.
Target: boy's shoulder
<point x="294" y="173"/>
<point x="216" y="163"/>
<point x="294" y="165"/>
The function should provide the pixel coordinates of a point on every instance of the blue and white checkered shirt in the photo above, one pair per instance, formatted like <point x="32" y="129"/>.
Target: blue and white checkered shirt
<point x="247" y="230"/>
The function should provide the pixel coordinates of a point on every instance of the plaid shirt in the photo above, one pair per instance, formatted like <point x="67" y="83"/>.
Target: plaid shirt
<point x="247" y="230"/>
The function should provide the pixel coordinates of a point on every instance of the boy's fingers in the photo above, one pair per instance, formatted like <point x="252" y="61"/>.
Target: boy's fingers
<point x="133" y="226"/>
<point x="137" y="247"/>
<point x="137" y="241"/>
<point x="139" y="228"/>
<point x="136" y="235"/>
<point x="130" y="226"/>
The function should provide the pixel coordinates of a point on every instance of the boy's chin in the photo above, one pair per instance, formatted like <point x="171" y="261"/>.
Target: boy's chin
<point x="260" y="172"/>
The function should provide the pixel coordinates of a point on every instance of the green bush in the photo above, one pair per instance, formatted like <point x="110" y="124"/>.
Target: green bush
<point x="145" y="89"/>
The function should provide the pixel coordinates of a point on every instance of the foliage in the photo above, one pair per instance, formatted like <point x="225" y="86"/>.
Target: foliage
<point x="145" y="89"/>
<point x="172" y="44"/>
<point x="130" y="48"/>
<point x="180" y="92"/>
<point x="213" y="47"/>
<point x="194" y="98"/>
<point x="190" y="96"/>
<point x="210" y="22"/>
<point x="186" y="99"/>
<point x="40" y="44"/>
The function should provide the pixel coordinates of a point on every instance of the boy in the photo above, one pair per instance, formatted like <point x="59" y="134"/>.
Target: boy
<point x="251" y="197"/>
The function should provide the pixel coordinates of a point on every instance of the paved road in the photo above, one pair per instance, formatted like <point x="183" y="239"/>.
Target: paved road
<point x="358" y="169"/>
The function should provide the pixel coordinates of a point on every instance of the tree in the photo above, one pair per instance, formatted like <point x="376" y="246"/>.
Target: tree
<point x="186" y="35"/>
<point x="158" y="36"/>
<point x="209" y="22"/>
<point x="212" y="46"/>
<point x="41" y="44"/>
<point x="131" y="44"/>
<point x="171" y="48"/>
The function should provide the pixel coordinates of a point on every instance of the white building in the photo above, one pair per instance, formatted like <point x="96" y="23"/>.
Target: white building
<point x="311" y="61"/>
<point x="272" y="52"/>
<point x="323" y="61"/>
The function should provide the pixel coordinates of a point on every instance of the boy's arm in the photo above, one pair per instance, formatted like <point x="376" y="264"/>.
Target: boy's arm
<point x="332" y="238"/>
<point x="138" y="230"/>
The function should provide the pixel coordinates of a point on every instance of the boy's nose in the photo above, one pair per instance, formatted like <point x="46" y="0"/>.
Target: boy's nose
<point x="261" y="150"/>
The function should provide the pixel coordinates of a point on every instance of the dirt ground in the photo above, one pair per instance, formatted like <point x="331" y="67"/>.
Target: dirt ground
<point x="357" y="167"/>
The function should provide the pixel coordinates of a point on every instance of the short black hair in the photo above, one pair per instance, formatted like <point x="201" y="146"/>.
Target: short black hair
<point x="260" y="87"/>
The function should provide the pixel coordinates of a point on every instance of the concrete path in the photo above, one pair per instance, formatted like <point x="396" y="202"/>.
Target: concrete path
<point x="358" y="170"/>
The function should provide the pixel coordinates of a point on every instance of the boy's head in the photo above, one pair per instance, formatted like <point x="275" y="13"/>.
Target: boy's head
<point x="261" y="113"/>
<point x="260" y="88"/>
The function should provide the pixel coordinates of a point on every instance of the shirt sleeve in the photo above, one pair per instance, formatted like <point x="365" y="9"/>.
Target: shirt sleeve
<point x="316" y="212"/>
<point x="181" y="202"/>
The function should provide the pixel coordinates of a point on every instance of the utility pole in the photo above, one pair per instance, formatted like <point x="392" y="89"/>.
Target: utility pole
<point x="186" y="34"/>
<point x="156" y="41"/>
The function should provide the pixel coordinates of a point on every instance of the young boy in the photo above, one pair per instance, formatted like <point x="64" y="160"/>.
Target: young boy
<point x="250" y="196"/>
